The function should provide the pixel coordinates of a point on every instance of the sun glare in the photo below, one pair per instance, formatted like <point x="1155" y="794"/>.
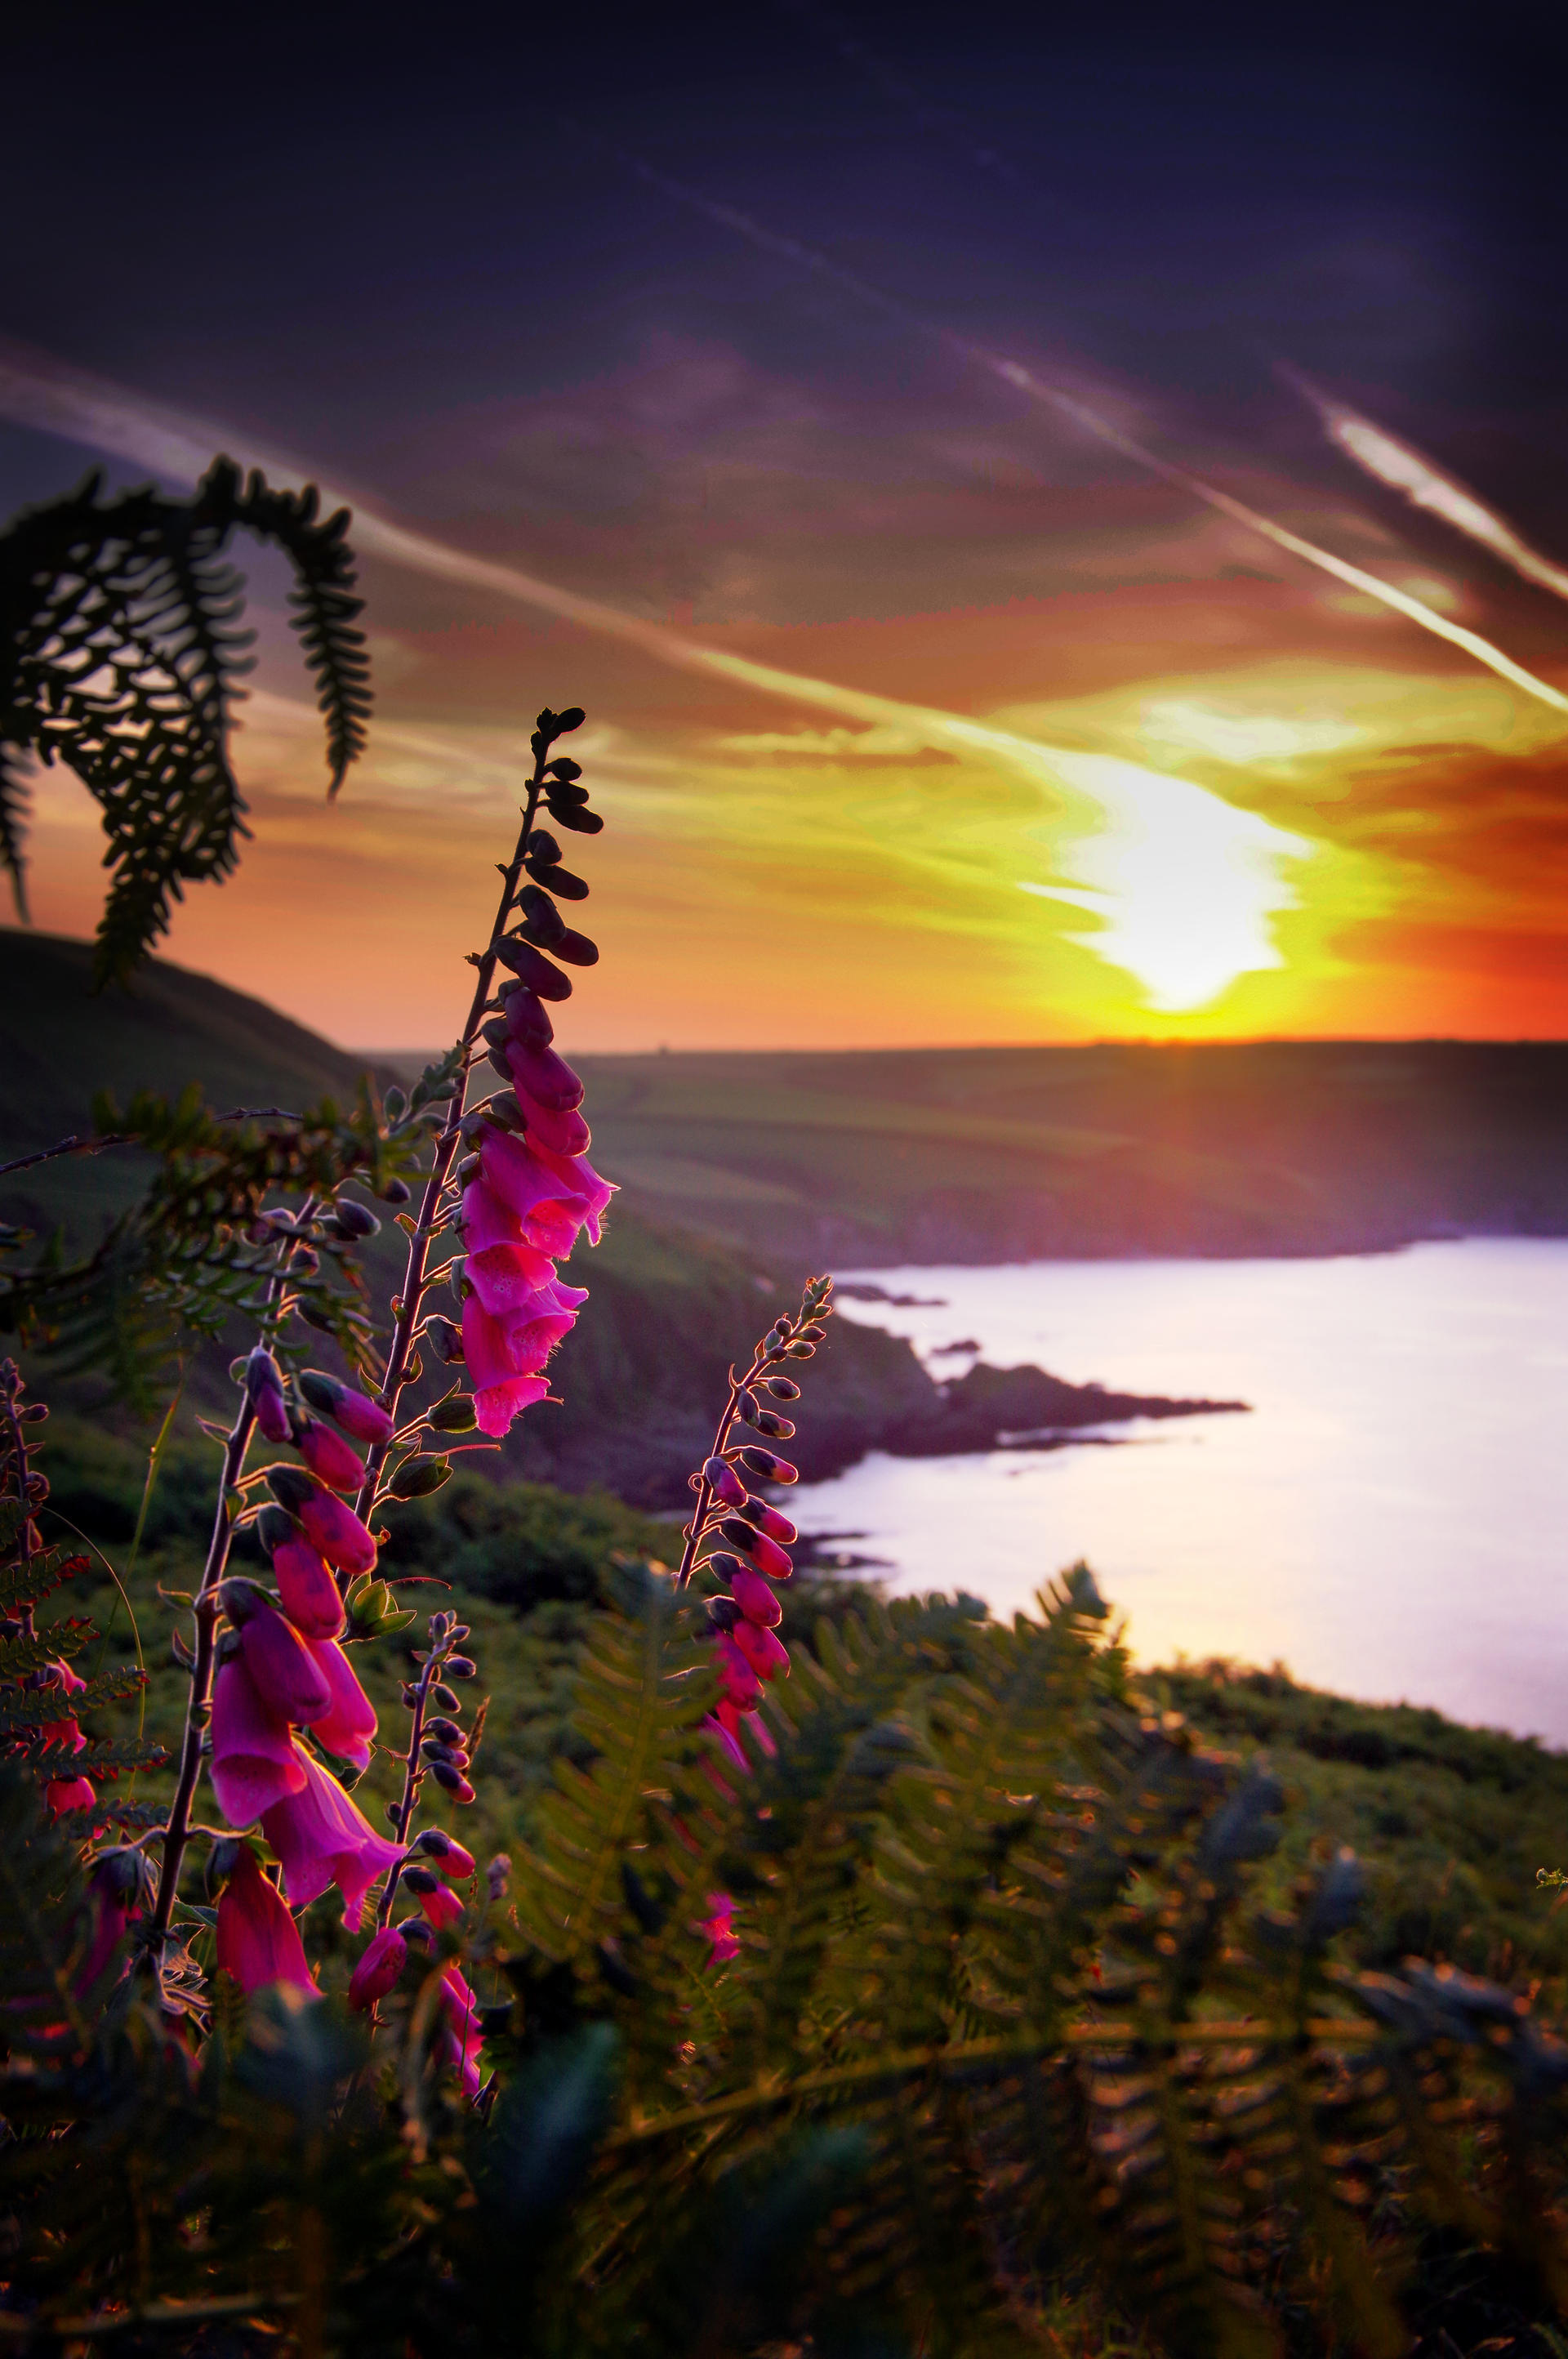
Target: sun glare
<point x="1183" y="884"/>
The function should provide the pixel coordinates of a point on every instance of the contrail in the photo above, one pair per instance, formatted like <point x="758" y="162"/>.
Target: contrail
<point x="1407" y="471"/>
<point x="1239" y="875"/>
<point x="1094" y="422"/>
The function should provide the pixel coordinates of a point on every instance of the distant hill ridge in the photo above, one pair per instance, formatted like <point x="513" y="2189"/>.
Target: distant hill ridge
<point x="882" y="1156"/>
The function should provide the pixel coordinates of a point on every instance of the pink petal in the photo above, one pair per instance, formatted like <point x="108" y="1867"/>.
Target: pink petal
<point x="321" y="1838"/>
<point x="255" y="1762"/>
<point x="348" y="1722"/>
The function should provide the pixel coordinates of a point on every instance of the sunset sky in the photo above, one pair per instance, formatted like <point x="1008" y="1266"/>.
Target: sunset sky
<point x="889" y="499"/>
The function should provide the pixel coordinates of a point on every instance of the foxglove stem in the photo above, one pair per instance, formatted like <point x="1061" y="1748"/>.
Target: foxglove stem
<point x="199" y="1707"/>
<point x="413" y="1772"/>
<point x="409" y="1300"/>
<point x="10" y="1393"/>
<point x="770" y="1355"/>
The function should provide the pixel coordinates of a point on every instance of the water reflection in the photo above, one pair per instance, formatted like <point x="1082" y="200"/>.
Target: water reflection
<point x="1388" y="1521"/>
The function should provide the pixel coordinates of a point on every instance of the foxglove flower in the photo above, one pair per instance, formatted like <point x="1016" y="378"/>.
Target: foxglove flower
<point x="348" y="1722"/>
<point x="265" y="1386"/>
<point x="256" y="1762"/>
<point x="563" y="1133"/>
<point x="321" y="1838"/>
<point x="287" y="1678"/>
<point x="256" y="1939"/>
<point x="462" y="2039"/>
<point x="328" y="1457"/>
<point x="438" y="1901"/>
<point x="546" y="1075"/>
<point x="117" y="1886"/>
<point x="366" y="1420"/>
<point x="65" y="1730"/>
<point x="502" y="1390"/>
<point x="766" y="1654"/>
<point x="310" y="1594"/>
<point x="718" y="1930"/>
<point x="758" y="1602"/>
<point x="378" y="1971"/>
<point x="445" y="1853"/>
<point x="332" y="1529"/>
<point x="63" y="1795"/>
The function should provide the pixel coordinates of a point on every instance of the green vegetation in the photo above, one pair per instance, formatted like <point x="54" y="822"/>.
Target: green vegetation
<point x="1450" y="1823"/>
<point x="1011" y="1154"/>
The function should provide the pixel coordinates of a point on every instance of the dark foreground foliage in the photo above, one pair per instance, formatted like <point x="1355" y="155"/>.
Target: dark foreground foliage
<point x="1004" y="2020"/>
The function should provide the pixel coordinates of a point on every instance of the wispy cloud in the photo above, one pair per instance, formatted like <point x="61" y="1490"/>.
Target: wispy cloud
<point x="1136" y="806"/>
<point x="1409" y="471"/>
<point x="1096" y="422"/>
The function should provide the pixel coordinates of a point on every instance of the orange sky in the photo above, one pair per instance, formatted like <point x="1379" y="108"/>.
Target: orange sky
<point x="1212" y="793"/>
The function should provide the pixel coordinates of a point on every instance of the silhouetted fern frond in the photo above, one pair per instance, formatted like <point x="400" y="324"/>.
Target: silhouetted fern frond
<point x="120" y="657"/>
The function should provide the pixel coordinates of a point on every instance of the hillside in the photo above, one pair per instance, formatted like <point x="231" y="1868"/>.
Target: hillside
<point x="993" y="1155"/>
<point x="641" y="1378"/>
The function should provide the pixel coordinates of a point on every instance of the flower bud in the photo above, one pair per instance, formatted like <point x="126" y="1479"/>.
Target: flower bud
<point x="542" y="924"/>
<point x="378" y="1970"/>
<point x="274" y="1526"/>
<point x="781" y="1387"/>
<point x="443" y="1694"/>
<point x="742" y="1685"/>
<point x="419" y="1476"/>
<point x="456" y="1863"/>
<point x="768" y="1519"/>
<point x="758" y="1602"/>
<point x="534" y="969"/>
<point x="542" y="845"/>
<point x="446" y="1341"/>
<point x="451" y="1781"/>
<point x="446" y="1729"/>
<point x="765" y="1466"/>
<point x="724" y="1482"/>
<point x="558" y="880"/>
<point x="778" y="1429"/>
<point x="764" y="1553"/>
<point x="355" y="1220"/>
<point x="576" y="949"/>
<point x="462" y="1667"/>
<point x="573" y="815"/>
<point x="453" y="1415"/>
<point x="357" y="1414"/>
<point x="525" y="1016"/>
<point x="420" y="1880"/>
<point x="265" y="1387"/>
<point x="544" y="1076"/>
<point x="767" y="1654"/>
<point x="497" y="1874"/>
<point x="395" y="1192"/>
<point x="328" y="1457"/>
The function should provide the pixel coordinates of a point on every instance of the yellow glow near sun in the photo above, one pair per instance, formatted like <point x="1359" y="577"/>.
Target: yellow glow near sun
<point x="1184" y="884"/>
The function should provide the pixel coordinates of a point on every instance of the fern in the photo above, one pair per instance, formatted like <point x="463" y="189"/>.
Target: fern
<point x="119" y="656"/>
<point x="994" y="1934"/>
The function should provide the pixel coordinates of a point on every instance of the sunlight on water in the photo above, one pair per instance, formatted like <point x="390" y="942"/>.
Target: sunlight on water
<point x="1387" y="1520"/>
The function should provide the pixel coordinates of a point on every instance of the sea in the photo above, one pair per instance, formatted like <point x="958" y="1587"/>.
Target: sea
<point x="1387" y="1520"/>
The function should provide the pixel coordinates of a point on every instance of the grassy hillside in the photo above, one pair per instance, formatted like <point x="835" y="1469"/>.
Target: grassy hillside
<point x="59" y="1045"/>
<point x="1005" y="1154"/>
<point x="641" y="1376"/>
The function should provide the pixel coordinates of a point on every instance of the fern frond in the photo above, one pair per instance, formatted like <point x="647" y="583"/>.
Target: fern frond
<point x="43" y="1921"/>
<point x="120" y="657"/>
<point x="15" y="808"/>
<point x="640" y="1698"/>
